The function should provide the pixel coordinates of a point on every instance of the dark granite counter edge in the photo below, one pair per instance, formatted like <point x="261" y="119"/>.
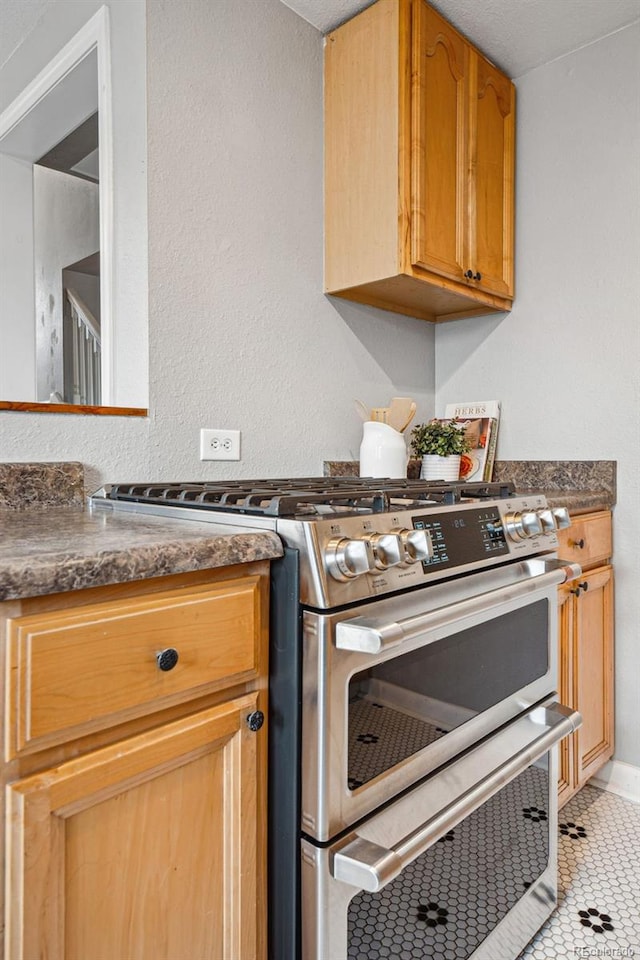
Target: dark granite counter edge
<point x="60" y="573"/>
<point x="576" y="501"/>
<point x="50" y="544"/>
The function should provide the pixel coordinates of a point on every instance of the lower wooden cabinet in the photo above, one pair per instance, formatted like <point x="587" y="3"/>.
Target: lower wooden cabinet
<point x="586" y="654"/>
<point x="147" y="841"/>
<point x="146" y="848"/>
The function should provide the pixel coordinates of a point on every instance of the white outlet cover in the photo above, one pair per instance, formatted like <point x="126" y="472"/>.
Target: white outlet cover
<point x="219" y="444"/>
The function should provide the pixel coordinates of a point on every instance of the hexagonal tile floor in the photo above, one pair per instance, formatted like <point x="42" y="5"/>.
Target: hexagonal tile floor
<point x="437" y="911"/>
<point x="443" y="905"/>
<point x="598" y="913"/>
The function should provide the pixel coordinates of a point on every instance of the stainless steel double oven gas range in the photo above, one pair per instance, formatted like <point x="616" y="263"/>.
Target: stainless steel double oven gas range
<point x="412" y="775"/>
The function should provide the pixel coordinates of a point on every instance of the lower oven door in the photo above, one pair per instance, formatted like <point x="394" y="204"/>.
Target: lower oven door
<point x="464" y="865"/>
<point x="395" y="688"/>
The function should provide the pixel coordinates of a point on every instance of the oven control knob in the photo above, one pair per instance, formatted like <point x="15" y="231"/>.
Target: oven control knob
<point x="416" y="544"/>
<point x="387" y="549"/>
<point x="347" y="559"/>
<point x="521" y="526"/>
<point x="563" y="520"/>
<point x="547" y="520"/>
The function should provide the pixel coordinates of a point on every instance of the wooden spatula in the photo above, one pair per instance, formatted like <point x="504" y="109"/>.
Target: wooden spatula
<point x="401" y="413"/>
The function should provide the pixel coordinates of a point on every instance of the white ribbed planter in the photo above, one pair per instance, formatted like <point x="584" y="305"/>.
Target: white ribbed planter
<point x="440" y="468"/>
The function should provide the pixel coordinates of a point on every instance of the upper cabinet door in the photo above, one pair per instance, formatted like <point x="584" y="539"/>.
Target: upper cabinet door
<point x="419" y="154"/>
<point x="439" y="145"/>
<point x="492" y="154"/>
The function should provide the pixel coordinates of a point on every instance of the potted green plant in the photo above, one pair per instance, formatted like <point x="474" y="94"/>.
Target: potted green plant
<point x="440" y="444"/>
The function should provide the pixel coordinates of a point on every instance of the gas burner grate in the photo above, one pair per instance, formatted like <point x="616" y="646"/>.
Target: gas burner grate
<point x="306" y="496"/>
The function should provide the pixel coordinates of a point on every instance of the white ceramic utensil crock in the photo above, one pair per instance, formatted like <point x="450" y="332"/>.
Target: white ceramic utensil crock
<point x="383" y="451"/>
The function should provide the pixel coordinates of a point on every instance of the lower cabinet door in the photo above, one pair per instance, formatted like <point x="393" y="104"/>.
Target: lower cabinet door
<point x="566" y="677"/>
<point x="149" y="849"/>
<point x="594" y="656"/>
<point x="585" y="671"/>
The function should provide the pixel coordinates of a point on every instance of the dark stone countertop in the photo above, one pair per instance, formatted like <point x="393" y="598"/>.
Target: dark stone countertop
<point x="582" y="486"/>
<point x="62" y="549"/>
<point x="41" y="486"/>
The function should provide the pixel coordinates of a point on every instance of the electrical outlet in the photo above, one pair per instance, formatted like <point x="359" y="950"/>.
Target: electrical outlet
<point x="219" y="444"/>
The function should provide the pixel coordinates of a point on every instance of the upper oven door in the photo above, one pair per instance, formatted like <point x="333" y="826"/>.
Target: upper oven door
<point x="394" y="689"/>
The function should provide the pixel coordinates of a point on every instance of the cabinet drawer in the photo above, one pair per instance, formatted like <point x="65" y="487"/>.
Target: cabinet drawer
<point x="588" y="540"/>
<point x="79" y="670"/>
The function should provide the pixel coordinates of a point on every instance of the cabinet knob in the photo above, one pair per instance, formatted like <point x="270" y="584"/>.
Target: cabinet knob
<point x="578" y="543"/>
<point x="581" y="586"/>
<point x="477" y="276"/>
<point x="469" y="274"/>
<point x="167" y="659"/>
<point x="255" y="720"/>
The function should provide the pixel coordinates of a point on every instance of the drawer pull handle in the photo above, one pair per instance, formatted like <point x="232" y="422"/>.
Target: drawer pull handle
<point x="255" y="720"/>
<point x="369" y="866"/>
<point x="167" y="659"/>
<point x="579" y="544"/>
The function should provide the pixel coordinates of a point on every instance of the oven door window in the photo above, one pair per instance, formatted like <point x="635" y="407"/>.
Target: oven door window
<point x="448" y="900"/>
<point x="400" y="706"/>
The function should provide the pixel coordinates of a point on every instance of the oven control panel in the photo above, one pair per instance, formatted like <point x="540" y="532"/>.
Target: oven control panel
<point x="460" y="536"/>
<point x="457" y="535"/>
<point x="379" y="553"/>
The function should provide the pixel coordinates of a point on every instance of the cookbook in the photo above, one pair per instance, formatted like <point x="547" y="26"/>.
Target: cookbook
<point x="480" y="419"/>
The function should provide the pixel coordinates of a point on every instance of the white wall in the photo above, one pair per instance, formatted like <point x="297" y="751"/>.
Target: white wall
<point x="241" y="335"/>
<point x="565" y="361"/>
<point x="17" y="301"/>
<point x="66" y="217"/>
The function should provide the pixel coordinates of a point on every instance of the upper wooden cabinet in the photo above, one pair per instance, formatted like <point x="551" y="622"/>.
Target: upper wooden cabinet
<point x="419" y="166"/>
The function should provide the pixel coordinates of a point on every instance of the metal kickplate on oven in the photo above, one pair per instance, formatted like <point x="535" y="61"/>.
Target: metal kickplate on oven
<point x="450" y="898"/>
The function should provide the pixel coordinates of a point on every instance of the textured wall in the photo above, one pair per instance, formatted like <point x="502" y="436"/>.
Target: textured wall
<point x="565" y="361"/>
<point x="241" y="333"/>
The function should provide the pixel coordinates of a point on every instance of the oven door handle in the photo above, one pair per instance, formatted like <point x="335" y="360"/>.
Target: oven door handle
<point x="370" y="867"/>
<point x="374" y="634"/>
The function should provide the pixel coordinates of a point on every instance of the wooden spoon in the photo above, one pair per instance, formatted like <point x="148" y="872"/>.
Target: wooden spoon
<point x="412" y="413"/>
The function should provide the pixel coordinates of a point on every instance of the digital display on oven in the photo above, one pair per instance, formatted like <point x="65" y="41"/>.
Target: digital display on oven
<point x="463" y="536"/>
